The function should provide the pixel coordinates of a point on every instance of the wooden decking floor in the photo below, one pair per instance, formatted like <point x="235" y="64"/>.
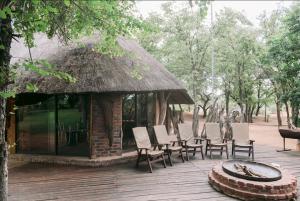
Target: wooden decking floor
<point x="183" y="181"/>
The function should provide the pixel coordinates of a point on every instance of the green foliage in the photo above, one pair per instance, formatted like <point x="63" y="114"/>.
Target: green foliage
<point x="67" y="19"/>
<point x="31" y="88"/>
<point x="252" y="64"/>
<point x="7" y="93"/>
<point x="283" y="54"/>
<point x="44" y="68"/>
<point x="177" y="38"/>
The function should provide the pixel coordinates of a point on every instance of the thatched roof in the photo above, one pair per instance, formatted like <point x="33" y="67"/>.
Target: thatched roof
<point x="135" y="71"/>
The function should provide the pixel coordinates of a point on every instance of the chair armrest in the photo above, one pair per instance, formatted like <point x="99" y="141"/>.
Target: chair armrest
<point x="157" y="145"/>
<point x="165" y="144"/>
<point x="141" y="148"/>
<point x="187" y="139"/>
<point x="183" y="142"/>
<point x="251" y="141"/>
<point x="199" y="138"/>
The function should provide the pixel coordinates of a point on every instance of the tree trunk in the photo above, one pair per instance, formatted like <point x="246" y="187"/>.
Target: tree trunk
<point x="4" y="171"/>
<point x="227" y="96"/>
<point x="287" y="114"/>
<point x="251" y="114"/>
<point x="196" y="120"/>
<point x="257" y="109"/>
<point x="279" y="120"/>
<point x="5" y="41"/>
<point x="163" y="106"/>
<point x="204" y="111"/>
<point x="295" y="114"/>
<point x="242" y="113"/>
<point x="258" y="99"/>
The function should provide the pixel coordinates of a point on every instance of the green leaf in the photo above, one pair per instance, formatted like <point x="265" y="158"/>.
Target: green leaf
<point x="7" y="94"/>
<point x="67" y="3"/>
<point x="2" y="14"/>
<point x="31" y="87"/>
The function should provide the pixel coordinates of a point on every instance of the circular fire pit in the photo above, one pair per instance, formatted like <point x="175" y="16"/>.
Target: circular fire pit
<point x="252" y="181"/>
<point x="251" y="170"/>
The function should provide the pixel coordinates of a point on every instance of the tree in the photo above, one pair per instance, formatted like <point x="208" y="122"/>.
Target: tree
<point x="67" y="19"/>
<point x="181" y="41"/>
<point x="283" y="48"/>
<point x="237" y="50"/>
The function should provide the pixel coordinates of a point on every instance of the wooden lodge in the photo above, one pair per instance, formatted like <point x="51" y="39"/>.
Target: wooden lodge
<point x="94" y="116"/>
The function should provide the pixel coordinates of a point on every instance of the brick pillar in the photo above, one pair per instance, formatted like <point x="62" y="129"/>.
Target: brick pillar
<point x="99" y="144"/>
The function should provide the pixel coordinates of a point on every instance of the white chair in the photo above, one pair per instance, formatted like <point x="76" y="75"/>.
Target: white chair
<point x="166" y="142"/>
<point x="188" y="141"/>
<point x="240" y="140"/>
<point x="144" y="148"/>
<point x="214" y="140"/>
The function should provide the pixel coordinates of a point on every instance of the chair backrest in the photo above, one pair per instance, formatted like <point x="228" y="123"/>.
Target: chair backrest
<point x="240" y="132"/>
<point x="161" y="134"/>
<point x="186" y="132"/>
<point x="141" y="137"/>
<point x="213" y="132"/>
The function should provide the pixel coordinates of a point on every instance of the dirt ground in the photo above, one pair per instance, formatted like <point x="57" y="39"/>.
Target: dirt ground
<point x="264" y="133"/>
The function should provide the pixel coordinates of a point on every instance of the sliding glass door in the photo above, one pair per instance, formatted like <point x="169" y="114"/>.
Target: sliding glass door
<point x="72" y="125"/>
<point x="53" y="124"/>
<point x="138" y="110"/>
<point x="36" y="125"/>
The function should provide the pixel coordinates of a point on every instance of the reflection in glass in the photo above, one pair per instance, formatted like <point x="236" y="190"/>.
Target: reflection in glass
<point x="138" y="110"/>
<point x="72" y="125"/>
<point x="36" y="126"/>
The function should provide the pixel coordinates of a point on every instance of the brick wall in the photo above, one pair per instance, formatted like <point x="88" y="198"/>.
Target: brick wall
<point x="100" y="141"/>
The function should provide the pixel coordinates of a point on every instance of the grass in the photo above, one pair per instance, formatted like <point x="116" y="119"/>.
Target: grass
<point x="43" y="121"/>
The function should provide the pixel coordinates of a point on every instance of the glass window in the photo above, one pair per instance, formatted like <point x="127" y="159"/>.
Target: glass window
<point x="37" y="123"/>
<point x="72" y="125"/>
<point x="129" y="120"/>
<point x="36" y="126"/>
<point x="138" y="110"/>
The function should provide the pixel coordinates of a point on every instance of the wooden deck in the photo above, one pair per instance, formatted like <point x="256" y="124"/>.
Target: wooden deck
<point x="183" y="181"/>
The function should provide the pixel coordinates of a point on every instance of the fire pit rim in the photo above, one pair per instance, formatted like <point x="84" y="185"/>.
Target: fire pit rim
<point x="258" y="179"/>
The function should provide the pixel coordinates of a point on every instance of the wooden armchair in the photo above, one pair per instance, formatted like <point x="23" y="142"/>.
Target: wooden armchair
<point x="166" y="143"/>
<point x="145" y="150"/>
<point x="240" y="140"/>
<point x="214" y="140"/>
<point x="188" y="141"/>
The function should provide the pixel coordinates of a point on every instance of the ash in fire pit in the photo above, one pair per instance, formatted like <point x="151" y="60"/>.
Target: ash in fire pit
<point x="251" y="170"/>
<point x="247" y="180"/>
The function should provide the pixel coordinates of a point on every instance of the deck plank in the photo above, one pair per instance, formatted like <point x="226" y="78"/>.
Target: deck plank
<point x="183" y="181"/>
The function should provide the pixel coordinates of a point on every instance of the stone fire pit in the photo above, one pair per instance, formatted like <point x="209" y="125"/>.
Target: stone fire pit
<point x="247" y="180"/>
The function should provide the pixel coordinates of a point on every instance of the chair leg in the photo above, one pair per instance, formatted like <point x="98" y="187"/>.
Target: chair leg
<point x="252" y="153"/>
<point x="221" y="151"/>
<point x="250" y="150"/>
<point x="169" y="157"/>
<point x="194" y="152"/>
<point x="233" y="152"/>
<point x="210" y="154"/>
<point x="201" y="149"/>
<point x="187" y="153"/>
<point x="226" y="151"/>
<point x="138" y="160"/>
<point x="181" y="155"/>
<point x="164" y="162"/>
<point x="149" y="164"/>
<point x="206" y="147"/>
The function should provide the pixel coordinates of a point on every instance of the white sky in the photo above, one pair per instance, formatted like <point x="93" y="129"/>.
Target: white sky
<point x="252" y="9"/>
